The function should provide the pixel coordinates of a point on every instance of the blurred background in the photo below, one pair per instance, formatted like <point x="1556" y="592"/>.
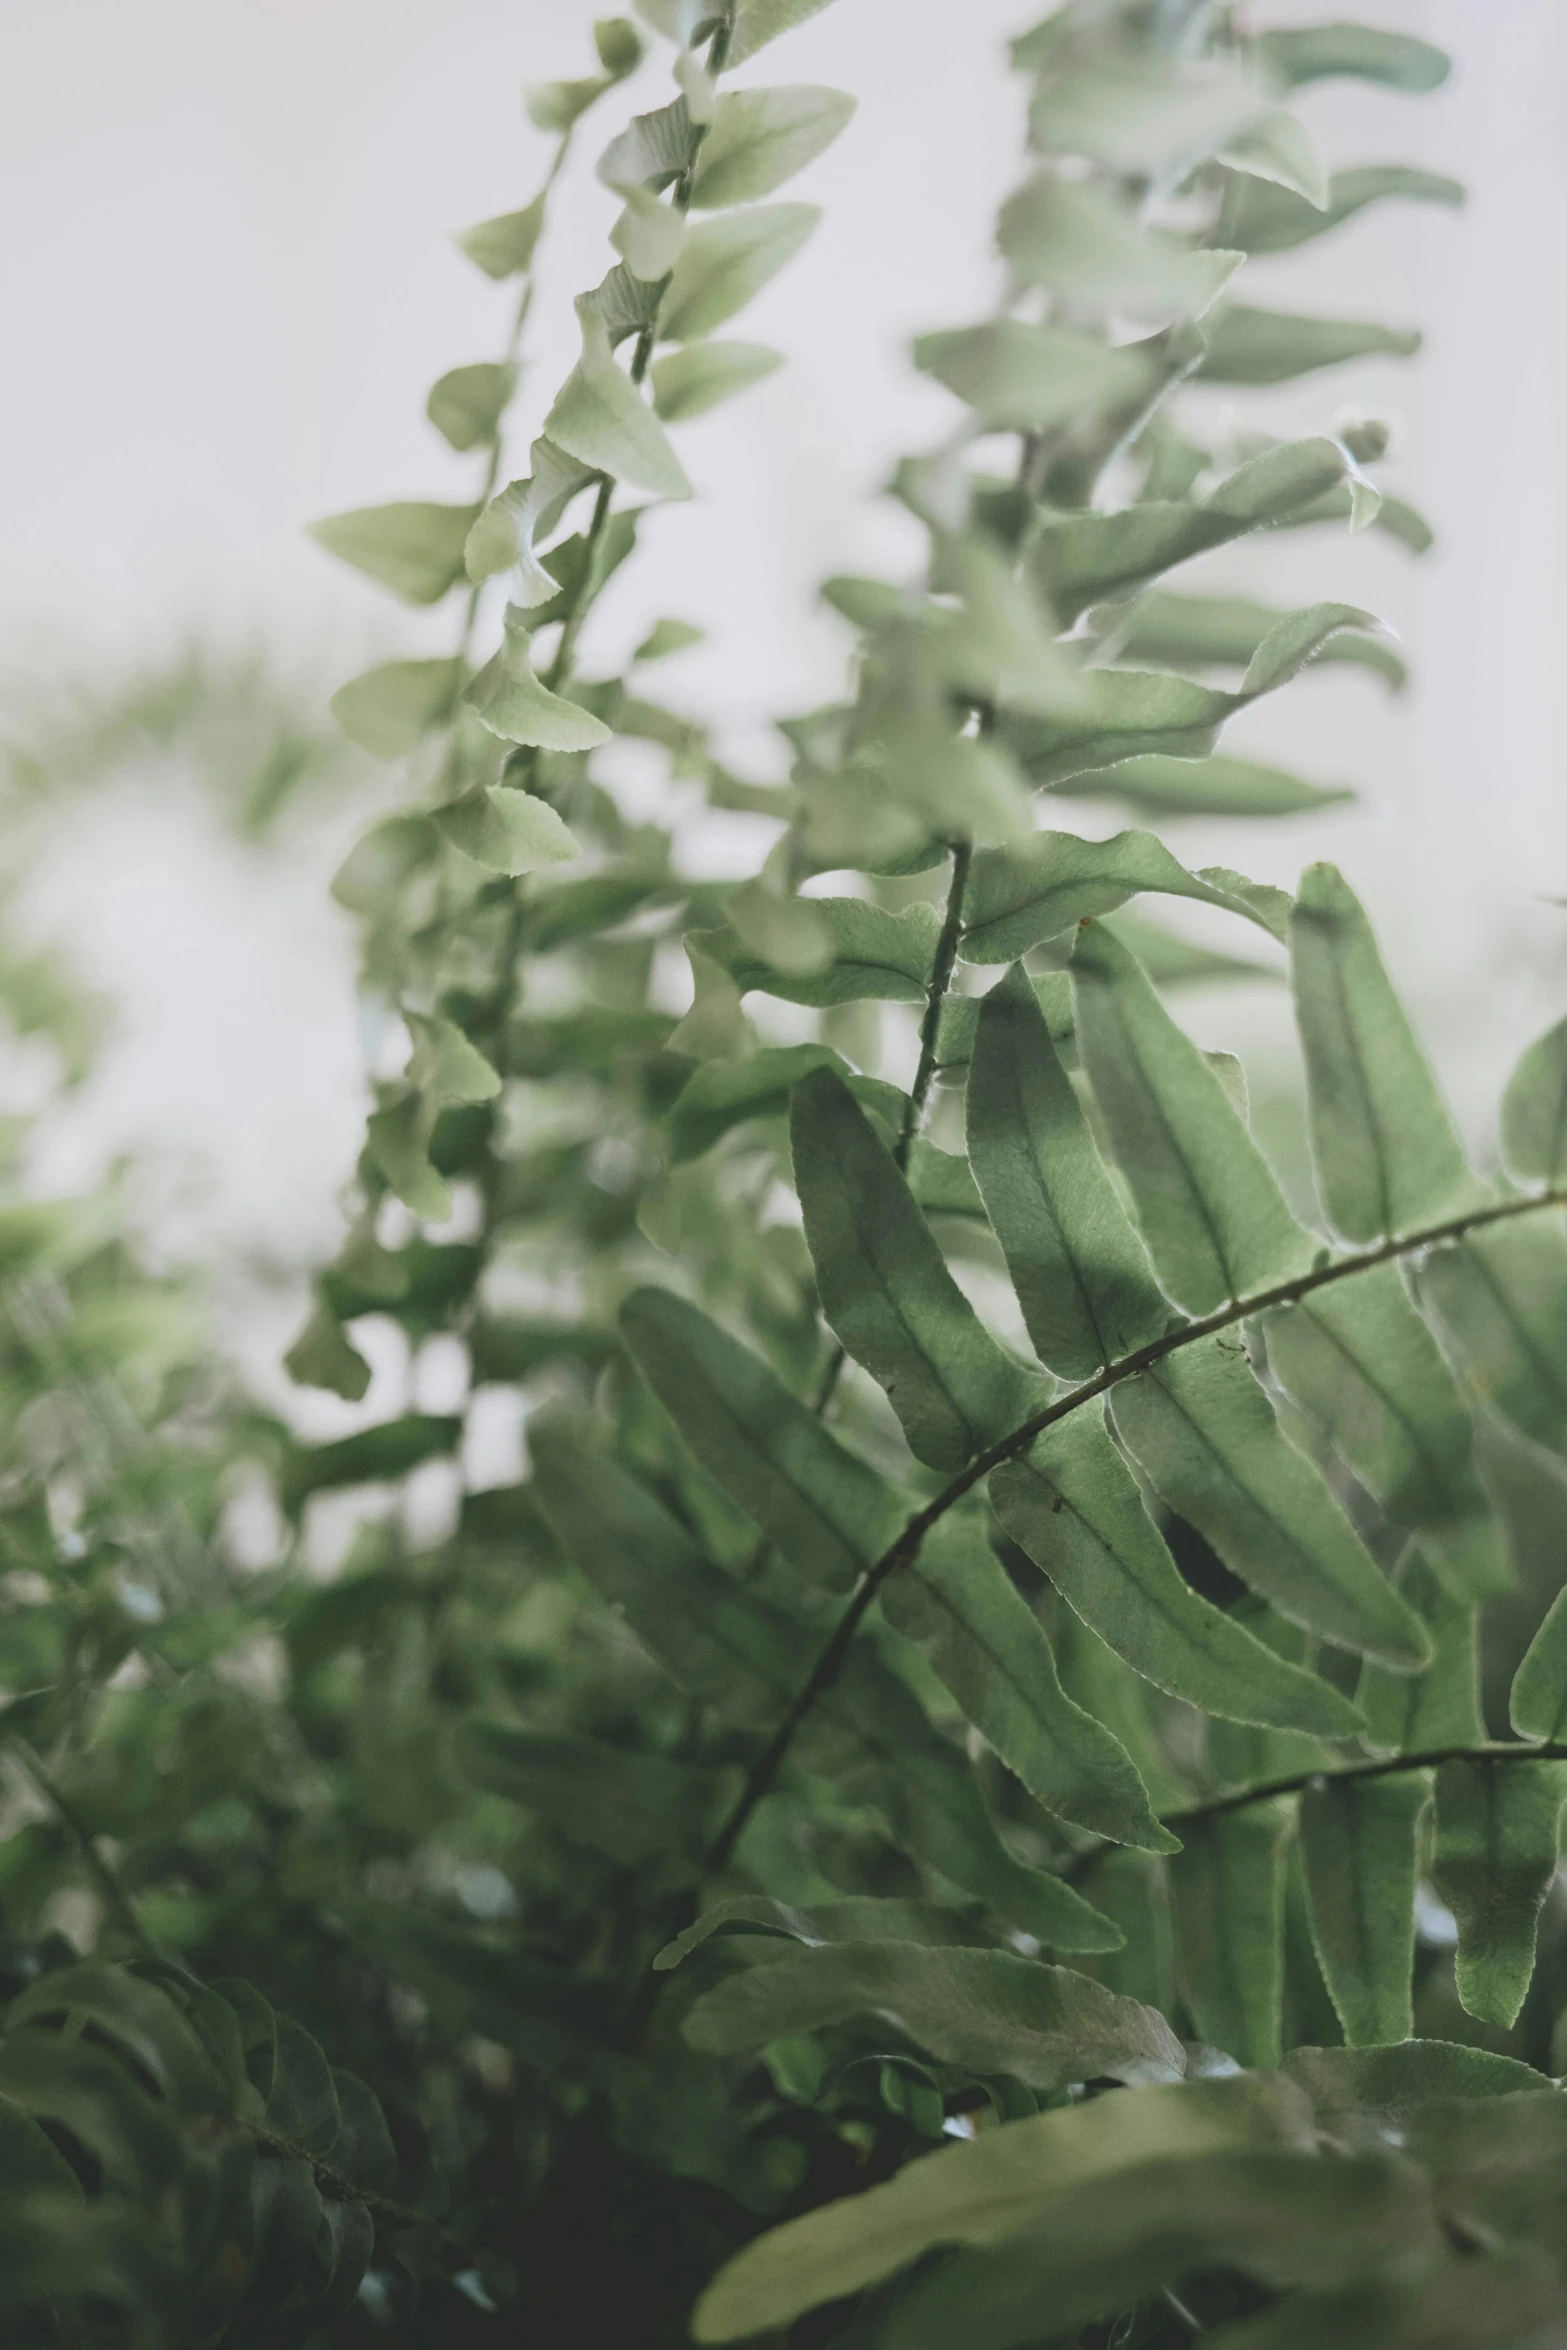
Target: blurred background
<point x="229" y="281"/>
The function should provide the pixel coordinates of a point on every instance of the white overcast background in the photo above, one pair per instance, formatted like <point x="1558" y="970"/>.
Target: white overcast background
<point x="227" y="283"/>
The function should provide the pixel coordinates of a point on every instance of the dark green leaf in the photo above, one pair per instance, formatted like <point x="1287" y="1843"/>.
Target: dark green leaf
<point x="1413" y="1714"/>
<point x="1360" y="1843"/>
<point x="633" y="1806"/>
<point x="1368" y="2096"/>
<point x="875" y="954"/>
<point x="1499" y="1303"/>
<point x="1016" y="897"/>
<point x="1227" y="1884"/>
<point x="1538" y="1703"/>
<point x="1496" y="1839"/>
<point x="373" y="1455"/>
<point x="865" y="1920"/>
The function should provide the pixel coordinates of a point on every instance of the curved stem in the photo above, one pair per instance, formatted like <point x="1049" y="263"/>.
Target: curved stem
<point x="115" y="1897"/>
<point x="906" y="1548"/>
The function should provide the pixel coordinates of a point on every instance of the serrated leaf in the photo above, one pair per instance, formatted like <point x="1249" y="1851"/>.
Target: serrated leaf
<point x="885" y="1288"/>
<point x="1212" y="1215"/>
<point x="467" y="404"/>
<point x="826" y="1512"/>
<point x="414" y="548"/>
<point x="1263" y="219"/>
<point x="1313" y="53"/>
<point x="1360" y="1844"/>
<point x="1206" y="1434"/>
<point x="1534" y="1111"/>
<point x="958" y="1603"/>
<point x="1227" y="1885"/>
<point x="1247" y="346"/>
<point x="1081" y="1277"/>
<point x="506" y="831"/>
<point x="689" y="382"/>
<point x="1019" y="377"/>
<point x="724" y="262"/>
<point x="1498" y="1303"/>
<point x="875" y="953"/>
<point x="1496" y="1841"/>
<point x="1016" y="897"/>
<point x="757" y="139"/>
<point x="389" y="710"/>
<point x="635" y="1807"/>
<point x="986" y="2191"/>
<point x="1089" y="250"/>
<point x="1156" y="785"/>
<point x="1386" y="1152"/>
<point x="1074" y="1507"/>
<point x="982" y="2009"/>
<point x="504" y="247"/>
<point x="601" y="419"/>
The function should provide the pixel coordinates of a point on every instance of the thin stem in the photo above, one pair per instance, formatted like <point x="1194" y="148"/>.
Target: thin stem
<point x="906" y="1548"/>
<point x="930" y="1025"/>
<point x="104" y="1877"/>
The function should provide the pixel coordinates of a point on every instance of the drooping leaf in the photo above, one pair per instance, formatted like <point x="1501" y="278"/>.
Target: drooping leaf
<point x="601" y="419"/>
<point x="467" y="404"/>
<point x="690" y="381"/>
<point x="390" y="709"/>
<point x="1497" y="1302"/>
<point x="1387" y="1155"/>
<point x="1419" y="1713"/>
<point x="1247" y="346"/>
<point x="1264" y="219"/>
<point x="1496" y="1842"/>
<point x="1227" y="1885"/>
<point x="506" y="831"/>
<point x="373" y="1455"/>
<point x="503" y="247"/>
<point x="885" y="1288"/>
<point x="511" y="701"/>
<point x="1019" y="377"/>
<point x="503" y="537"/>
<point x="1082" y="1279"/>
<point x="1221" y="786"/>
<point x="415" y="549"/>
<point x="1312" y="53"/>
<point x="723" y="1095"/>
<point x="324" y="1356"/>
<point x="1202" y="632"/>
<point x="1073" y="1505"/>
<point x="724" y="262"/>
<point x="1017" y="897"/>
<point x="1359" y="1840"/>
<point x="1212" y="1215"/>
<point x="1206" y="1434"/>
<point x="1534" y="1111"/>
<point x="1088" y="250"/>
<point x="555" y="106"/>
<point x="757" y="139"/>
<point x="875" y="953"/>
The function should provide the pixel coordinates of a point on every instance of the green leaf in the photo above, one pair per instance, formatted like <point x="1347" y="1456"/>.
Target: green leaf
<point x="1279" y="149"/>
<point x="1156" y="785"/>
<point x="1200" y="632"/>
<point x="1441" y="1706"/>
<point x="982" y="2009"/>
<point x="829" y="1514"/>
<point x="1387" y="1155"/>
<point x="1104" y="558"/>
<point x="1313" y="53"/>
<point x="466" y="405"/>
<point x="1498" y="1303"/>
<point x="1205" y="1432"/>
<point x="1041" y="889"/>
<point x="1088" y="250"/>
<point x="503" y="247"/>
<point x="555" y="106"/>
<point x="757" y="139"/>
<point x="397" y="1144"/>
<point x="984" y="2192"/>
<point x="324" y="1356"/>
<point x="759" y="21"/>
<point x="724" y="262"/>
<point x="1534" y="1111"/>
<point x="602" y="420"/>
<point x="1360" y="1843"/>
<point x="875" y="953"/>
<point x="1074" y="1507"/>
<point x="1537" y="1706"/>
<point x="506" y="831"/>
<point x="390" y="710"/>
<point x="373" y="1456"/>
<point x="1263" y="219"/>
<point x="856" y="1920"/>
<point x="509" y="700"/>
<point x="958" y="1603"/>
<point x="1227" y="1887"/>
<point x="1496" y="1841"/>
<point x="1081" y="1277"/>
<point x="666" y="637"/>
<point x="1247" y="346"/>
<point x="1215" y="1222"/>
<point x="1485" y="2301"/>
<point x="636" y="1807"/>
<point x="415" y="549"/>
<point x="1142" y="119"/>
<point x="1019" y="377"/>
<point x="503" y="538"/>
<point x="1370" y="2095"/>
<point x="1358" y="1360"/>
<point x="446" y="1065"/>
<point x="724" y="1095"/>
<point x="652" y="150"/>
<point x="688" y="383"/>
<point x="885" y="1288"/>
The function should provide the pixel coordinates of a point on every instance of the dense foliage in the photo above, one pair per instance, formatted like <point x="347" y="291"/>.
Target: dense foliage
<point x="1011" y="1622"/>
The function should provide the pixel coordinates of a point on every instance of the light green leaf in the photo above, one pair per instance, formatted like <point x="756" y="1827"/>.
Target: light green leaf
<point x="688" y="383"/>
<point x="1019" y="377"/>
<point x="648" y="236"/>
<point x="827" y="1513"/>
<point x="1496" y="1841"/>
<point x="759" y="138"/>
<point x="1499" y="1305"/>
<point x="1262" y="219"/>
<point x="1534" y="1111"/>
<point x="1215" y="1222"/>
<point x="1537" y="1706"/>
<point x="715" y="1028"/>
<point x="446" y="1065"/>
<point x="724" y="262"/>
<point x="397" y="1141"/>
<point x="634" y="1806"/>
<point x="1075" y="1508"/>
<point x="1247" y="346"/>
<point x="507" y="698"/>
<point x="466" y="405"/>
<point x="759" y="21"/>
<point x="1079" y="1270"/>
<point x="601" y="419"/>
<point x="389" y="710"/>
<point x="504" y="536"/>
<point x="986" y="2191"/>
<point x="1227" y="1886"/>
<point x="619" y="45"/>
<point x="1297" y="639"/>
<point x="1018" y="896"/>
<point x="555" y="106"/>
<point x="958" y="1603"/>
<point x="1201" y="632"/>
<point x="666" y="637"/>
<point x="1358" y="1360"/>
<point x="1387" y="1155"/>
<point x="1314" y="53"/>
<point x="415" y="549"/>
<point x="1360" y="1840"/>
<point x="875" y="954"/>
<point x="1278" y="148"/>
<point x="506" y="831"/>
<point x="982" y="2009"/>
<point x="1089" y="250"/>
<point x="1204" y="1431"/>
<point x="1143" y="118"/>
<point x="503" y="247"/>
<point x="323" y="1355"/>
<point x="652" y="150"/>
<point x="1156" y="785"/>
<point x="885" y="1288"/>
<point x="377" y="866"/>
